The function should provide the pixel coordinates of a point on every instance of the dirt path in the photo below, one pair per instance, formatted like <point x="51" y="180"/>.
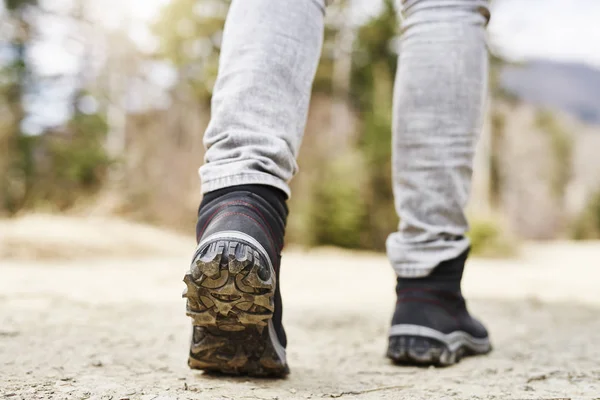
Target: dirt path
<point x="114" y="328"/>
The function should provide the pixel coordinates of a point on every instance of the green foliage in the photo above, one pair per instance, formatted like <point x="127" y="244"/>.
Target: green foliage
<point x="15" y="151"/>
<point x="337" y="209"/>
<point x="374" y="67"/>
<point x="324" y="76"/>
<point x="80" y="161"/>
<point x="498" y="126"/>
<point x="56" y="168"/>
<point x="65" y="165"/>
<point x="12" y="5"/>
<point x="351" y="201"/>
<point x="587" y="225"/>
<point x="189" y="35"/>
<point x="373" y="53"/>
<point x="488" y="239"/>
<point x="562" y="147"/>
<point x="52" y="168"/>
<point x="16" y="179"/>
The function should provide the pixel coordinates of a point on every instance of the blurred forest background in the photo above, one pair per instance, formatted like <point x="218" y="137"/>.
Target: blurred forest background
<point x="121" y="131"/>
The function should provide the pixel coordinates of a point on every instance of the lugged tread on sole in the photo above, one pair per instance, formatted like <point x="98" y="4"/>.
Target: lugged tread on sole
<point x="424" y="351"/>
<point x="230" y="298"/>
<point x="235" y="353"/>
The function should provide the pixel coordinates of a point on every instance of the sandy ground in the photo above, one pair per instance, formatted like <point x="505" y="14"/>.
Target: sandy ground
<point x="86" y="315"/>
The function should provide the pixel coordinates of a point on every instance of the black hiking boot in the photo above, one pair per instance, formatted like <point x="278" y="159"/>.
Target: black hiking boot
<point x="431" y="324"/>
<point x="232" y="290"/>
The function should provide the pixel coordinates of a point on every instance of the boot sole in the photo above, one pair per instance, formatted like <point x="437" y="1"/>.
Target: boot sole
<point x="230" y="298"/>
<point x="419" y="345"/>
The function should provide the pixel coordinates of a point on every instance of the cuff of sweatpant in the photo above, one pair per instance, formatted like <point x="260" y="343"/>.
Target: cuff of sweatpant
<point x="418" y="260"/>
<point x="247" y="178"/>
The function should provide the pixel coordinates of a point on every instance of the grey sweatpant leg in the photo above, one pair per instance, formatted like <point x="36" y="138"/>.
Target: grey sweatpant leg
<point x="441" y="87"/>
<point x="269" y="57"/>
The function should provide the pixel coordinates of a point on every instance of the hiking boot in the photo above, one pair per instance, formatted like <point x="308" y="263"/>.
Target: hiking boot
<point x="431" y="324"/>
<point x="232" y="290"/>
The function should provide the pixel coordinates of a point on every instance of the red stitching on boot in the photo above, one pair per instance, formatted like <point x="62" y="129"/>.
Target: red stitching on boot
<point x="252" y="206"/>
<point x="222" y="206"/>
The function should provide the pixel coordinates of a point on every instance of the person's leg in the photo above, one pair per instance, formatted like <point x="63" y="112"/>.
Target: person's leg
<point x="260" y="103"/>
<point x="269" y="57"/>
<point x="440" y="92"/>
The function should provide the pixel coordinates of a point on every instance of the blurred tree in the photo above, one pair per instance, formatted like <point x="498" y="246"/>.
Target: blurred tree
<point x="189" y="33"/>
<point x="587" y="224"/>
<point x="337" y="52"/>
<point x="58" y="164"/>
<point x="15" y="149"/>
<point x="335" y="208"/>
<point x="337" y="211"/>
<point x="76" y="161"/>
<point x="374" y="67"/>
<point x="561" y="144"/>
<point x="77" y="158"/>
<point x="497" y="127"/>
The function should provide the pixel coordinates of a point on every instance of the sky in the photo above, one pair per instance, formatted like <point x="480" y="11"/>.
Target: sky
<point x="560" y="30"/>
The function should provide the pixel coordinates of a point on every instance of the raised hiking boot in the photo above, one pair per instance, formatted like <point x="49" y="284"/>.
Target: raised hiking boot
<point x="232" y="290"/>
<point x="431" y="324"/>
